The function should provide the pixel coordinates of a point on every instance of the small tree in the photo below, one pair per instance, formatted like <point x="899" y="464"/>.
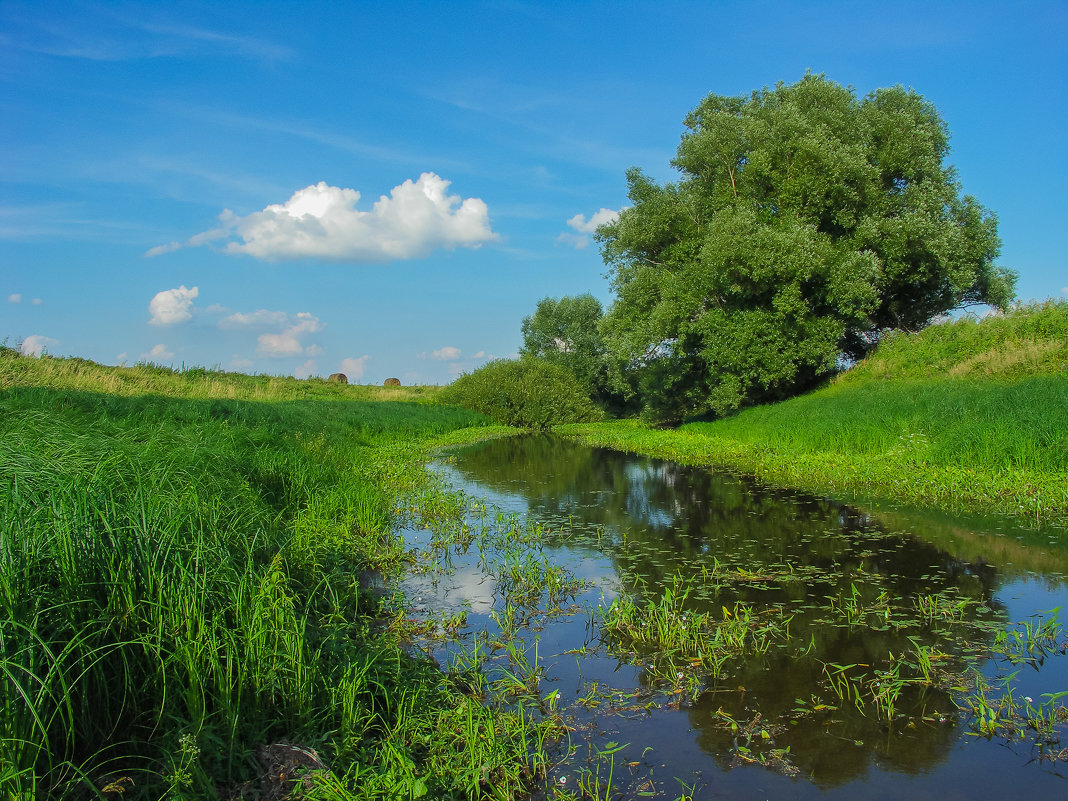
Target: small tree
<point x="566" y="332"/>
<point x="806" y="223"/>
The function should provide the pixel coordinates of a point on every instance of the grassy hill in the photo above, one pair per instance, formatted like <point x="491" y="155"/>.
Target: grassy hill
<point x="971" y="414"/>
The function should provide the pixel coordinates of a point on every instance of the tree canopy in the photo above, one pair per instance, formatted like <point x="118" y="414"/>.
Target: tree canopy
<point x="566" y="332"/>
<point x="806" y="223"/>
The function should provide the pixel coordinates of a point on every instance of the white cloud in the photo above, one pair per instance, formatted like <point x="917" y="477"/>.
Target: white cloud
<point x="304" y="370"/>
<point x="288" y="342"/>
<point x="14" y="298"/>
<point x="353" y="368"/>
<point x="585" y="227"/>
<point x="261" y="318"/>
<point x="35" y="345"/>
<point x="159" y="250"/>
<point x="238" y="362"/>
<point x="121" y="358"/>
<point x="577" y="241"/>
<point x="36" y="301"/>
<point x="1064" y="290"/>
<point x="172" y="305"/>
<point x="159" y="353"/>
<point x="446" y="354"/>
<point x="322" y="222"/>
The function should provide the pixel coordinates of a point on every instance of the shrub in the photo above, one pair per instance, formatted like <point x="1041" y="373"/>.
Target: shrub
<point x="528" y="393"/>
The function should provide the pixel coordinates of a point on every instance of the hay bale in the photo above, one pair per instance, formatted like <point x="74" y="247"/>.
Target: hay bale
<point x="391" y="382"/>
<point x="338" y="378"/>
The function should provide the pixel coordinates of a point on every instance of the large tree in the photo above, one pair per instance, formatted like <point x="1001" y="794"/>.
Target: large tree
<point x="806" y="222"/>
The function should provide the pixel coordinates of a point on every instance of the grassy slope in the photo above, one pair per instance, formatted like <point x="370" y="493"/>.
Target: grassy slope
<point x="968" y="415"/>
<point x="179" y="586"/>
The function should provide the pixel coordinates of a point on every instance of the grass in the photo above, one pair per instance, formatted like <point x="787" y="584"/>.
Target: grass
<point x="187" y="382"/>
<point x="182" y="610"/>
<point x="967" y="416"/>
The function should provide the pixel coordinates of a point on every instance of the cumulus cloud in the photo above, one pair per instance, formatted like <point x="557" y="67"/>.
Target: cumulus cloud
<point x="172" y="305"/>
<point x="353" y="367"/>
<point x="35" y="345"/>
<point x="288" y="342"/>
<point x="579" y="236"/>
<point x="15" y="297"/>
<point x="36" y="301"/>
<point x="322" y="222"/>
<point x="159" y="353"/>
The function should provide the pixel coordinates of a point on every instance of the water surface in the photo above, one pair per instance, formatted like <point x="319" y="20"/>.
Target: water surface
<point x="842" y="581"/>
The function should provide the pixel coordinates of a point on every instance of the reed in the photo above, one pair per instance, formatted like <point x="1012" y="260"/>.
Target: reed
<point x="181" y="590"/>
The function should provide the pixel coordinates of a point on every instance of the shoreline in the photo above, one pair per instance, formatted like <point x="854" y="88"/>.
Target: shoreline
<point x="1024" y="498"/>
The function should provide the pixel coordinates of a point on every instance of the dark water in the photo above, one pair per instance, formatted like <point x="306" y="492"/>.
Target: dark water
<point x="770" y="725"/>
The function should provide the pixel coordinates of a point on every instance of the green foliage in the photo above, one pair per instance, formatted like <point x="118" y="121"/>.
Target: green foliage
<point x="566" y="332"/>
<point x="806" y="223"/>
<point x="528" y="393"/>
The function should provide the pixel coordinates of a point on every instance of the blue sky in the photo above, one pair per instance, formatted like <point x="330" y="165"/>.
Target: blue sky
<point x="155" y="160"/>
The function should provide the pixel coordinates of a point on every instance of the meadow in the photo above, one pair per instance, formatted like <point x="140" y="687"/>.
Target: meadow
<point x="969" y="415"/>
<point x="186" y="603"/>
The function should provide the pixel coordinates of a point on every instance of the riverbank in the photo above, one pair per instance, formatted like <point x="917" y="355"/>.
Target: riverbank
<point x="186" y="562"/>
<point x="967" y="416"/>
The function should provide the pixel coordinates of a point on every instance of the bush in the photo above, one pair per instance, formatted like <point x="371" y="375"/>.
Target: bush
<point x="528" y="393"/>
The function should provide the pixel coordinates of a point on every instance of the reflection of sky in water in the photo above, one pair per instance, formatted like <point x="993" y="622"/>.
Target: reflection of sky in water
<point x="660" y="499"/>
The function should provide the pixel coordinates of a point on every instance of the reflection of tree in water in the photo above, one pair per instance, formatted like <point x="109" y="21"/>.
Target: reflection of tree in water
<point x="765" y="547"/>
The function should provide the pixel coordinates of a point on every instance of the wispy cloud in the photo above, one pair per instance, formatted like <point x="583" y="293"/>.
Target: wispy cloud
<point x="159" y="353"/>
<point x="448" y="353"/>
<point x="289" y="342"/>
<point x="302" y="371"/>
<point x="353" y="367"/>
<point x="14" y="297"/>
<point x="322" y="222"/>
<point x="261" y="318"/>
<point x="103" y="34"/>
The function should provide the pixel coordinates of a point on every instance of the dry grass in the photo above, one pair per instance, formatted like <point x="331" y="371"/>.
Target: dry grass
<point x="1025" y="357"/>
<point x="17" y="370"/>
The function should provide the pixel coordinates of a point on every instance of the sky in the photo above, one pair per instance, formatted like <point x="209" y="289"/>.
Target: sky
<point x="387" y="189"/>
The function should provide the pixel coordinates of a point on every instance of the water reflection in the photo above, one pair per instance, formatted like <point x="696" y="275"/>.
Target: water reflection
<point x="847" y="583"/>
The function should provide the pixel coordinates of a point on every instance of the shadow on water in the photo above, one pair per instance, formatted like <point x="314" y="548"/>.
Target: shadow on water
<point x="840" y="701"/>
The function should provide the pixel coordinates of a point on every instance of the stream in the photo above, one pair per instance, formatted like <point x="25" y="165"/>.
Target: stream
<point x="843" y="653"/>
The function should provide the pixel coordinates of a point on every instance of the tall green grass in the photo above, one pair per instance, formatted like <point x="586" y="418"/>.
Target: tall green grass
<point x="965" y="415"/>
<point x="180" y="586"/>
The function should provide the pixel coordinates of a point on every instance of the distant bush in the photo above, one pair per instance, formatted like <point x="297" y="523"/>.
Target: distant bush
<point x="529" y="393"/>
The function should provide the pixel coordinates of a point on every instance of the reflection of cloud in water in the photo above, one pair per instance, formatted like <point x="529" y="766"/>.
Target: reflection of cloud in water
<point x="466" y="587"/>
